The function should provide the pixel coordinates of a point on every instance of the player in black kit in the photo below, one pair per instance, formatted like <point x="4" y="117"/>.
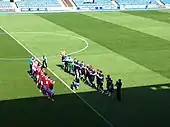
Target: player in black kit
<point x="99" y="81"/>
<point x="109" y="85"/>
<point x="91" y="77"/>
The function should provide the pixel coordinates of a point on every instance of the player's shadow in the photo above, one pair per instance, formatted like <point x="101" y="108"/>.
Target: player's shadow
<point x="61" y="67"/>
<point x="147" y="106"/>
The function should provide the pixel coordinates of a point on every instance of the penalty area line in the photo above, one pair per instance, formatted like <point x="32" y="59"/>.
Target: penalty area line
<point x="101" y="116"/>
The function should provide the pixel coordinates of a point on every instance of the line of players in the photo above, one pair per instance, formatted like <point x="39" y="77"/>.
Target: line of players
<point x="87" y="74"/>
<point x="42" y="80"/>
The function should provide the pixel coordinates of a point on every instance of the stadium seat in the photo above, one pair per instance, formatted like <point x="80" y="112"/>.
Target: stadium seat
<point x="89" y="3"/>
<point x="166" y="1"/>
<point x="5" y="4"/>
<point x="37" y="3"/>
<point x="135" y="2"/>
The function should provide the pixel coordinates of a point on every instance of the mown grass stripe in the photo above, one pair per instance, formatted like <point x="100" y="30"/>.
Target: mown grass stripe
<point x="156" y="15"/>
<point x="127" y="42"/>
<point x="60" y="89"/>
<point x="137" y="23"/>
<point x="141" y="106"/>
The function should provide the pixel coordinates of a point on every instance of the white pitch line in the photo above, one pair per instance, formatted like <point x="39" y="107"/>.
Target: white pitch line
<point x="60" y="79"/>
<point x="64" y="35"/>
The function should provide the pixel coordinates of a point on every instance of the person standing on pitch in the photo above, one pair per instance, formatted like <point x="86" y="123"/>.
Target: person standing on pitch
<point x="119" y="85"/>
<point x="44" y="62"/>
<point x="31" y="62"/>
<point x="100" y="81"/>
<point x="110" y="85"/>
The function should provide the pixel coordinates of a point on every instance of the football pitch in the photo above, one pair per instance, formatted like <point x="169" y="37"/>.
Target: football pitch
<point x="132" y="45"/>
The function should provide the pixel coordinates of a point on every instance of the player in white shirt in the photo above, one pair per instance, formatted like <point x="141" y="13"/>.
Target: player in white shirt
<point x="34" y="69"/>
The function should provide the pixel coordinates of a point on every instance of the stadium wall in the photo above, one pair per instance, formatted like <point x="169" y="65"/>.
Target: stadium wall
<point x="94" y="8"/>
<point x="83" y="9"/>
<point x="97" y="8"/>
<point x="168" y="6"/>
<point x="62" y="11"/>
<point x="7" y="10"/>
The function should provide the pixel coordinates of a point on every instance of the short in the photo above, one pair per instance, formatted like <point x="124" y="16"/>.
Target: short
<point x="38" y="77"/>
<point x="30" y="66"/>
<point x="83" y="72"/>
<point x="75" y="83"/>
<point x="51" y="92"/>
<point x="44" y="87"/>
<point x="111" y="90"/>
<point x="99" y="83"/>
<point x="33" y="70"/>
<point x="42" y="83"/>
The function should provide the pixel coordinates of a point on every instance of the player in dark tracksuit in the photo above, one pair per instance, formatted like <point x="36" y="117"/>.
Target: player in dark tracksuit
<point x="82" y="70"/>
<point x="31" y="62"/>
<point x="79" y="68"/>
<point x="99" y="81"/>
<point x="91" y="77"/>
<point x="119" y="85"/>
<point x="75" y="83"/>
<point x="86" y="73"/>
<point x="109" y="85"/>
<point x="75" y="66"/>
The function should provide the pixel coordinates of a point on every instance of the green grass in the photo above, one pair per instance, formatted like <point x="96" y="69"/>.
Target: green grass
<point x="156" y="15"/>
<point x="21" y="104"/>
<point x="127" y="42"/>
<point x="129" y="45"/>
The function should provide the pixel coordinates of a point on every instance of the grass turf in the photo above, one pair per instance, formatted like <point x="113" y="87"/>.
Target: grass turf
<point x="21" y="103"/>
<point x="156" y="15"/>
<point x="141" y="106"/>
<point x="126" y="42"/>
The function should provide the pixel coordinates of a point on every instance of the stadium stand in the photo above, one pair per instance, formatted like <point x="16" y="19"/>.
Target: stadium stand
<point x="93" y="2"/>
<point x="166" y="1"/>
<point x="135" y="2"/>
<point x="37" y="3"/>
<point x="5" y="4"/>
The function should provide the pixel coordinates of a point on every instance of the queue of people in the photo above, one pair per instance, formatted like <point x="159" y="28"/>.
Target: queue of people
<point x="42" y="80"/>
<point x="81" y="71"/>
<point x="92" y="77"/>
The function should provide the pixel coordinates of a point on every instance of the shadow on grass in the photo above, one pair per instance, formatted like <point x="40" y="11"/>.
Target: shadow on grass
<point x="61" y="67"/>
<point x="141" y="107"/>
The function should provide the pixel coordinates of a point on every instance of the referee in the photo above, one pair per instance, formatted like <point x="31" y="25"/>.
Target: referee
<point x="44" y="62"/>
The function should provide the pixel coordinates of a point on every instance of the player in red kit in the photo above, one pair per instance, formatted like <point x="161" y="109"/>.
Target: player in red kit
<point x="38" y="72"/>
<point x="50" y="90"/>
<point x="45" y="81"/>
